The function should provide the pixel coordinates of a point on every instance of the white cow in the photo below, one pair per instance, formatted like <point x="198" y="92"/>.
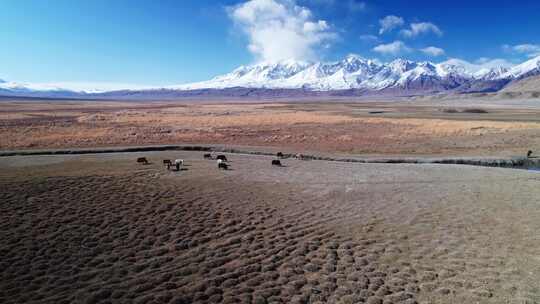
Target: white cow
<point x="178" y="163"/>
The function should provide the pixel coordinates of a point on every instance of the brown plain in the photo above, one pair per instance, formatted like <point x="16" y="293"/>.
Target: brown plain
<point x="394" y="129"/>
<point x="103" y="229"/>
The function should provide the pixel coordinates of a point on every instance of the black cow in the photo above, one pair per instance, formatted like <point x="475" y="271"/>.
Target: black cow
<point x="280" y="155"/>
<point x="207" y="156"/>
<point x="223" y="166"/>
<point x="276" y="162"/>
<point x="222" y="157"/>
<point x="142" y="160"/>
<point x="529" y="154"/>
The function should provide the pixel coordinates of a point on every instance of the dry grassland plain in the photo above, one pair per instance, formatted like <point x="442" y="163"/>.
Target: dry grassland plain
<point x="356" y="128"/>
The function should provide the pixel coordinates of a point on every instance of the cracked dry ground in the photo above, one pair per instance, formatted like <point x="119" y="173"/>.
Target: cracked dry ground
<point x="138" y="237"/>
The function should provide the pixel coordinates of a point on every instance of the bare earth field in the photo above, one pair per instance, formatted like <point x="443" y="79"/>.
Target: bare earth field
<point x="102" y="229"/>
<point x="369" y="128"/>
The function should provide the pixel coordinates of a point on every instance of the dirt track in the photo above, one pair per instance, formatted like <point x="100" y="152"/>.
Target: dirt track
<point x="99" y="228"/>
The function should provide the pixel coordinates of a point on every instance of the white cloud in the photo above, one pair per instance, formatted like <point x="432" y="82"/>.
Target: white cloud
<point x="369" y="38"/>
<point x="432" y="51"/>
<point x="393" y="48"/>
<point x="421" y="28"/>
<point x="528" y="49"/>
<point x="280" y="29"/>
<point x="389" y="23"/>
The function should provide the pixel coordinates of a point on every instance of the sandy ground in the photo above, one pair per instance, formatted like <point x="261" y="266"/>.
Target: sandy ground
<point x="102" y="229"/>
<point x="402" y="128"/>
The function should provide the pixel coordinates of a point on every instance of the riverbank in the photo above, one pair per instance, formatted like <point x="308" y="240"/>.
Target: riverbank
<point x="513" y="162"/>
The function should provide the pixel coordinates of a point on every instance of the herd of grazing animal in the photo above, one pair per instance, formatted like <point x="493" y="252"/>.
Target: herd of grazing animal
<point x="221" y="160"/>
<point x="176" y="165"/>
<point x="222" y="163"/>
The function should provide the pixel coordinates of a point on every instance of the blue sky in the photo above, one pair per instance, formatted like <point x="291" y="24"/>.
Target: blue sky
<point x="172" y="42"/>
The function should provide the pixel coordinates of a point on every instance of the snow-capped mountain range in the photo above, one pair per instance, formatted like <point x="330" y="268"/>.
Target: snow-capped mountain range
<point x="351" y="73"/>
<point x="354" y="72"/>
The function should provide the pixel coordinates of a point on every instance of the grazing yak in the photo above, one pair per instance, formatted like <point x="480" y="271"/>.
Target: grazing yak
<point x="178" y="163"/>
<point x="276" y="162"/>
<point x="222" y="165"/>
<point x="222" y="157"/>
<point x="208" y="156"/>
<point x="529" y="153"/>
<point x="280" y="155"/>
<point x="168" y="163"/>
<point x="142" y="160"/>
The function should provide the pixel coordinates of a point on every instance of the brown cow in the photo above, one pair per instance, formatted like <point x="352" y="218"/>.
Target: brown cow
<point x="168" y="163"/>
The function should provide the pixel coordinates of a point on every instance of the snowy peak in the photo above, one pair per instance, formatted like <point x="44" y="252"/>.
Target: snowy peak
<point x="354" y="63"/>
<point x="528" y="68"/>
<point x="402" y="66"/>
<point x="491" y="74"/>
<point x="455" y="67"/>
<point x="253" y="75"/>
